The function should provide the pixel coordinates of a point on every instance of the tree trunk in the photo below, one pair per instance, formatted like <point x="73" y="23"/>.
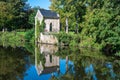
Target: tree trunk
<point x="66" y="25"/>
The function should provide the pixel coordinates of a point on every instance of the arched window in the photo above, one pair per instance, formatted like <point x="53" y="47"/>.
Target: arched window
<point x="50" y="58"/>
<point x="50" y="27"/>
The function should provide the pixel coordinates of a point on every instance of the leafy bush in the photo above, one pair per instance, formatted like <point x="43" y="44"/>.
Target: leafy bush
<point x="89" y="42"/>
<point x="69" y="39"/>
<point x="117" y="54"/>
<point x="29" y="36"/>
<point x="11" y="38"/>
<point x="39" y="28"/>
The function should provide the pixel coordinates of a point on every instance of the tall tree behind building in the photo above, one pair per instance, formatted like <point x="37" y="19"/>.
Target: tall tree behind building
<point x="14" y="14"/>
<point x="71" y="9"/>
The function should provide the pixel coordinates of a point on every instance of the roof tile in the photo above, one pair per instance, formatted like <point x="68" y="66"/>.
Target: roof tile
<point x="49" y="14"/>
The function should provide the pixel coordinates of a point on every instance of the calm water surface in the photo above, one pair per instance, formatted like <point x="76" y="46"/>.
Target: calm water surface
<point x="48" y="62"/>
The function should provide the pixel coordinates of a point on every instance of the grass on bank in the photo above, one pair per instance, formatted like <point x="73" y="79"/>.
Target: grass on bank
<point x="11" y="38"/>
<point x="68" y="39"/>
<point x="14" y="37"/>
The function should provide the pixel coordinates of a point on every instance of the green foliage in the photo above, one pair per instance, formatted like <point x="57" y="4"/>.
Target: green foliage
<point x="70" y="39"/>
<point x="101" y="23"/>
<point x="29" y="36"/>
<point x="39" y="28"/>
<point x="42" y="26"/>
<point x="14" y="14"/>
<point x="117" y="54"/>
<point x="5" y="15"/>
<point x="30" y="47"/>
<point x="32" y="15"/>
<point x="16" y="39"/>
<point x="88" y="42"/>
<point x="11" y="38"/>
<point x="37" y="32"/>
<point x="98" y="21"/>
<point x="73" y="9"/>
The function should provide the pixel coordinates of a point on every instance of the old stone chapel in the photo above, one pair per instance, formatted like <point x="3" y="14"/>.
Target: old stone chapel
<point x="51" y="20"/>
<point x="52" y="24"/>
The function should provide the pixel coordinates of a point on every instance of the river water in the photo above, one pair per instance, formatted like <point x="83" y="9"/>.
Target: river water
<point x="49" y="62"/>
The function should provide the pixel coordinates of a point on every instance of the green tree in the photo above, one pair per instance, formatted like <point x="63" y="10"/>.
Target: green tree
<point x="14" y="14"/>
<point x="5" y="15"/>
<point x="72" y="9"/>
<point x="98" y="20"/>
<point x="32" y="15"/>
<point x="102" y="24"/>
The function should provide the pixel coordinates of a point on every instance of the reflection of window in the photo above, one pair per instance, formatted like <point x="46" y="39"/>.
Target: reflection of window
<point x="51" y="58"/>
<point x="50" y="27"/>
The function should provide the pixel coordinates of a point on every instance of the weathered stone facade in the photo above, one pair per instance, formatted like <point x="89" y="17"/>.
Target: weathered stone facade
<point x="55" y="23"/>
<point x="47" y="39"/>
<point x="52" y="24"/>
<point x="51" y="20"/>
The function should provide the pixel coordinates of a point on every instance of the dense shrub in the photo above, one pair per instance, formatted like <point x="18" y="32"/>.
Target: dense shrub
<point x="90" y="43"/>
<point x="29" y="36"/>
<point x="117" y="54"/>
<point x="39" y="28"/>
<point x="11" y="38"/>
<point x="69" y="39"/>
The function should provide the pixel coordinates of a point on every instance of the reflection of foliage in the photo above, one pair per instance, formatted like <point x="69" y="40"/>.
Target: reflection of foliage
<point x="40" y="57"/>
<point x="12" y="63"/>
<point x="67" y="77"/>
<point x="29" y="47"/>
<point x="92" y="53"/>
<point x="116" y="67"/>
<point x="64" y="77"/>
<point x="84" y="58"/>
<point x="83" y="61"/>
<point x="65" y="51"/>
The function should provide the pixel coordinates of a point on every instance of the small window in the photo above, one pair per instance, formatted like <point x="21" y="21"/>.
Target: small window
<point x="50" y="27"/>
<point x="50" y="58"/>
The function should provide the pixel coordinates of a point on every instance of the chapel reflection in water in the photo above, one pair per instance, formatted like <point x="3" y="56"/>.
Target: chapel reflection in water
<point x="45" y="59"/>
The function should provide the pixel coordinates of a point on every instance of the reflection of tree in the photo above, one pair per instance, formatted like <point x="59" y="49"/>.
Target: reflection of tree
<point x="83" y="59"/>
<point x="66" y="76"/>
<point x="116" y="67"/>
<point x="29" y="47"/>
<point x="12" y="63"/>
<point x="64" y="51"/>
<point x="39" y="60"/>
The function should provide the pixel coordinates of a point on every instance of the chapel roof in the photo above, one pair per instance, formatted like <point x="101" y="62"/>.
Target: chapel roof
<point x="49" y="14"/>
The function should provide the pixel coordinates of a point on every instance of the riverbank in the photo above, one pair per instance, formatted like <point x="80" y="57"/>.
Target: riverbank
<point x="12" y="38"/>
<point x="18" y="39"/>
<point x="67" y="39"/>
<point x="17" y="36"/>
<point x="76" y="40"/>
